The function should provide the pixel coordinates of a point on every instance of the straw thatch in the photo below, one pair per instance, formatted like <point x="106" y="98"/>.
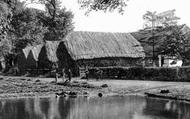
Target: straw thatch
<point x="89" y="45"/>
<point x="27" y="50"/>
<point x="79" y="45"/>
<point x="51" y="49"/>
<point x="28" y="58"/>
<point x="40" y="56"/>
<point x="31" y="62"/>
<point x="36" y="51"/>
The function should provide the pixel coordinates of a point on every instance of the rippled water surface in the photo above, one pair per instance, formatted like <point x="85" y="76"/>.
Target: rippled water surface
<point x="129" y="107"/>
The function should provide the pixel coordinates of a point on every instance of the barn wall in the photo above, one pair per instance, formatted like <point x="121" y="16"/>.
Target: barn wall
<point x="105" y="62"/>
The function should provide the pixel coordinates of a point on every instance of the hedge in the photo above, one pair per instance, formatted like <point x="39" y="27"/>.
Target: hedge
<point x="142" y="73"/>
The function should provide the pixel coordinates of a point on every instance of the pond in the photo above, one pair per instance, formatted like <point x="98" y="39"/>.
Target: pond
<point x="128" y="107"/>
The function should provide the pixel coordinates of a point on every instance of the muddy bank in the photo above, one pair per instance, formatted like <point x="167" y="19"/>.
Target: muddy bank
<point x="181" y="92"/>
<point x="26" y="87"/>
<point x="17" y="87"/>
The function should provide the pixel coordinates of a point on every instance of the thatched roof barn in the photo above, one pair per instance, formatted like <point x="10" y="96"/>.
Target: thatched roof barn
<point x="100" y="49"/>
<point x="89" y="45"/>
<point x="81" y="49"/>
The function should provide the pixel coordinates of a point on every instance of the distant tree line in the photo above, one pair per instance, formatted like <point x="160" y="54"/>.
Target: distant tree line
<point x="166" y="36"/>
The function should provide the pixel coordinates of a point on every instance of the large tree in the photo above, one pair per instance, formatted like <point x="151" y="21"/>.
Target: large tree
<point x="26" y="28"/>
<point x="5" y="18"/>
<point x="159" y="24"/>
<point x="21" y="26"/>
<point x="57" y="19"/>
<point x="14" y="29"/>
<point x="175" y="42"/>
<point x="163" y="19"/>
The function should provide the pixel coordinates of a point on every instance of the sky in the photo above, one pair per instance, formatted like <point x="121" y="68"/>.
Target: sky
<point x="132" y="18"/>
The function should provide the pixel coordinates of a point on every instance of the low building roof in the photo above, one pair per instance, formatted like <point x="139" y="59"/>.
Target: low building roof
<point x="89" y="45"/>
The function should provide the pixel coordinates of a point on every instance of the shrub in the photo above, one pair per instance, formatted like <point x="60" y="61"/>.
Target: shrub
<point x="142" y="73"/>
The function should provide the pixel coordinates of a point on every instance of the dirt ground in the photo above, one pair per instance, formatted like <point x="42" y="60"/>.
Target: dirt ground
<point x="16" y="87"/>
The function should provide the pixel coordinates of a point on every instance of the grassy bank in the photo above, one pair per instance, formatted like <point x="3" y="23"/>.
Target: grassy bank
<point x="17" y="87"/>
<point x="30" y="87"/>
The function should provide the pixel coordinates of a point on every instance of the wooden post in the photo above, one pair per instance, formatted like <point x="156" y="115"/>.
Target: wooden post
<point x="160" y="60"/>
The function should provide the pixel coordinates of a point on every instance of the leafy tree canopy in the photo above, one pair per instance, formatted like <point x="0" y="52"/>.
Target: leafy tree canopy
<point x="175" y="42"/>
<point x="26" y="28"/>
<point x="5" y="18"/>
<point x="57" y="20"/>
<point x="164" y="19"/>
<point x="21" y="26"/>
<point x="103" y="5"/>
<point x="165" y="35"/>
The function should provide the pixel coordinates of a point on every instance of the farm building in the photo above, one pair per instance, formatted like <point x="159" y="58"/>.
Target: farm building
<point x="98" y="49"/>
<point x="85" y="49"/>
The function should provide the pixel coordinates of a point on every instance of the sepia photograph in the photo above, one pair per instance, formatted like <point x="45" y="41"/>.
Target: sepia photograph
<point x="94" y="59"/>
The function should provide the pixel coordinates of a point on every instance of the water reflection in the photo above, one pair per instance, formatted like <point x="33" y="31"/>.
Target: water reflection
<point x="167" y="109"/>
<point x="129" y="107"/>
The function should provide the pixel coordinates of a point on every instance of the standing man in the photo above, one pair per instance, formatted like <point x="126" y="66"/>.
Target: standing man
<point x="69" y="75"/>
<point x="86" y="73"/>
<point x="63" y="75"/>
<point x="55" y="71"/>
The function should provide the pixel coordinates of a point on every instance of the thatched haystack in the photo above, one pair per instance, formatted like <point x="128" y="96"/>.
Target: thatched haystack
<point x="32" y="57"/>
<point x="43" y="61"/>
<point x="65" y="60"/>
<point x="21" y="62"/>
<point x="39" y="57"/>
<point x="31" y="62"/>
<point x="36" y="51"/>
<point x="21" y="59"/>
<point x="28" y="58"/>
<point x="47" y="56"/>
<point x="26" y="51"/>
